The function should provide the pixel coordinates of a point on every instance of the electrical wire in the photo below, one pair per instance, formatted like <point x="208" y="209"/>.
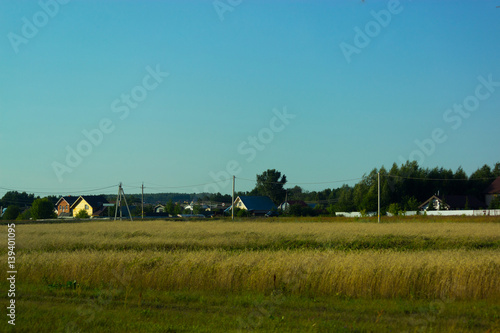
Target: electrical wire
<point x="310" y="183"/>
<point x="51" y="192"/>
<point x="155" y="186"/>
<point x="439" y="179"/>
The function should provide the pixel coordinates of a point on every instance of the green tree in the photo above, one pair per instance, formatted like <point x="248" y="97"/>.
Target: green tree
<point x="25" y="215"/>
<point x="295" y="210"/>
<point x="271" y="183"/>
<point x="15" y="198"/>
<point x="170" y="207"/>
<point x="479" y="180"/>
<point x="242" y="213"/>
<point x="177" y="209"/>
<point x="11" y="213"/>
<point x="460" y="183"/>
<point x="148" y="209"/>
<point x="54" y="199"/>
<point x="42" y="209"/>
<point x="411" y="204"/>
<point x="345" y="201"/>
<point x="394" y="209"/>
<point x="197" y="209"/>
<point x="366" y="192"/>
<point x="495" y="203"/>
<point x="82" y="214"/>
<point x="295" y="193"/>
<point x="111" y="211"/>
<point x="331" y="209"/>
<point x="496" y="170"/>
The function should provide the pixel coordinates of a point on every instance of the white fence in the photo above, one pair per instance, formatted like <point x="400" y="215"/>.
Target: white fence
<point x="482" y="212"/>
<point x="354" y="214"/>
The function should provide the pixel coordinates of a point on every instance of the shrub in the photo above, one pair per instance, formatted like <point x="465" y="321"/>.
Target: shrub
<point x="242" y="213"/>
<point x="11" y="213"/>
<point x="394" y="209"/>
<point x="495" y="203"/>
<point x="412" y="204"/>
<point x="82" y="214"/>
<point x="26" y="215"/>
<point x="299" y="210"/>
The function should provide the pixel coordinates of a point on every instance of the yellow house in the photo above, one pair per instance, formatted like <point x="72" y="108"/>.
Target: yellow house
<point x="92" y="204"/>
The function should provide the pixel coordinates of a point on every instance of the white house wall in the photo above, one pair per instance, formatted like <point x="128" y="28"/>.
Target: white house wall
<point x="482" y="212"/>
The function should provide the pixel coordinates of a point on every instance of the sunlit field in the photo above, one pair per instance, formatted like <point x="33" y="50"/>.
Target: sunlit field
<point x="400" y="275"/>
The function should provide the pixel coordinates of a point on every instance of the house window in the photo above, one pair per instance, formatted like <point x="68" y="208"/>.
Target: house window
<point x="86" y="206"/>
<point x="60" y="207"/>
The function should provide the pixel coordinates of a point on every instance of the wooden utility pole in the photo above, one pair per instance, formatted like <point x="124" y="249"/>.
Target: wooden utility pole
<point x="142" y="202"/>
<point x="378" y="197"/>
<point x="232" y="204"/>
<point x="118" y="202"/>
<point x="121" y="194"/>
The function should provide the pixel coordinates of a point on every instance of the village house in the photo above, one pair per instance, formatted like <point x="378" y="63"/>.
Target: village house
<point x="285" y="206"/>
<point x="159" y="209"/>
<point x="452" y="202"/>
<point x="63" y="206"/>
<point x="94" y="205"/>
<point x="492" y="191"/>
<point x="256" y="205"/>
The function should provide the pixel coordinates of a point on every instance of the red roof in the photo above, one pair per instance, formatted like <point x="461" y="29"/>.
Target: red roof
<point x="494" y="188"/>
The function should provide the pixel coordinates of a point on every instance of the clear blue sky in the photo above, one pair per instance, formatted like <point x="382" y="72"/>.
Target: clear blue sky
<point x="358" y="82"/>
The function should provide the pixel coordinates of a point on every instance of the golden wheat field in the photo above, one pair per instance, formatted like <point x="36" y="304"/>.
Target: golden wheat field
<point x="409" y="260"/>
<point x="227" y="235"/>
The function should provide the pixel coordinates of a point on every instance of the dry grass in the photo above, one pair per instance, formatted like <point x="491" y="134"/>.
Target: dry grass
<point x="161" y="235"/>
<point x="444" y="274"/>
<point x="257" y="256"/>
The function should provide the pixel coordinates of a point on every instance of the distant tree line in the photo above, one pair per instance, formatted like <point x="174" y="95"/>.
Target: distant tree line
<point x="403" y="187"/>
<point x="24" y="206"/>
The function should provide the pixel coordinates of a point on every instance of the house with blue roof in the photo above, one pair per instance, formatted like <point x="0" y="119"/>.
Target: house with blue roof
<point x="257" y="205"/>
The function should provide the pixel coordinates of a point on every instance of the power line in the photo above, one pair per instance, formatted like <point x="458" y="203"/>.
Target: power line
<point x="28" y="201"/>
<point x="155" y="186"/>
<point x="59" y="191"/>
<point x="301" y="183"/>
<point x="18" y="202"/>
<point x="439" y="179"/>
